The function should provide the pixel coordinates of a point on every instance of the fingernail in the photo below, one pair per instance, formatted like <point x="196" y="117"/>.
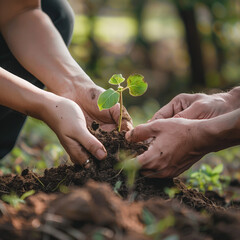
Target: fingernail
<point x="127" y="135"/>
<point x="101" y="154"/>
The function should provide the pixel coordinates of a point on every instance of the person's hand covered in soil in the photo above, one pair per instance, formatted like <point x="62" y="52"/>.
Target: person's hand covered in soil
<point x="67" y="120"/>
<point x="178" y="142"/>
<point x="177" y="145"/>
<point x="86" y="94"/>
<point x="199" y="106"/>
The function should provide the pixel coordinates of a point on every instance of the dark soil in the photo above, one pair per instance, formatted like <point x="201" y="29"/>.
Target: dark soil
<point x="91" y="210"/>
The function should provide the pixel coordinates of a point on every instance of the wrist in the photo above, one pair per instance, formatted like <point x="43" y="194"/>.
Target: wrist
<point x="70" y="83"/>
<point x="80" y="89"/>
<point x="222" y="131"/>
<point x="232" y="97"/>
<point x="40" y="105"/>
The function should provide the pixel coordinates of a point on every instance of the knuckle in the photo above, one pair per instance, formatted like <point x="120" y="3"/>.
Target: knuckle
<point x="182" y="95"/>
<point x="91" y="147"/>
<point x="200" y="105"/>
<point x="155" y="127"/>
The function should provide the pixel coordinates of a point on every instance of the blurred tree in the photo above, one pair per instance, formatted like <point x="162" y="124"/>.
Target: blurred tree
<point x="141" y="44"/>
<point x="95" y="51"/>
<point x="186" y="9"/>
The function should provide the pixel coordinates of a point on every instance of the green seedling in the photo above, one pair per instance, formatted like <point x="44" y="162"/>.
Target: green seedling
<point x="136" y="85"/>
<point x="207" y="178"/>
<point x="171" y="192"/>
<point x="154" y="228"/>
<point x="130" y="167"/>
<point x="117" y="187"/>
<point x="38" y="179"/>
<point x="14" y="200"/>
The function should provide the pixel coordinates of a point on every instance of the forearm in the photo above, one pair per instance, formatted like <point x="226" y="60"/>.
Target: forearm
<point x="38" y="46"/>
<point x="234" y="97"/>
<point x="222" y="131"/>
<point x="22" y="96"/>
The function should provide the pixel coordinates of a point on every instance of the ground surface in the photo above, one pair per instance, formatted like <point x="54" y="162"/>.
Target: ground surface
<point x="77" y="203"/>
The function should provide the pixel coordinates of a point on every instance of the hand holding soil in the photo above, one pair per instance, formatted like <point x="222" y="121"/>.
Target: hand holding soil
<point x="179" y="142"/>
<point x="66" y="119"/>
<point x="176" y="146"/>
<point x="86" y="95"/>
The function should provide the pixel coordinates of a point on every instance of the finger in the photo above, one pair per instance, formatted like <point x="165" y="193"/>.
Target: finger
<point x="175" y="106"/>
<point x="91" y="144"/>
<point x="166" y="111"/>
<point x="141" y="132"/>
<point x="188" y="113"/>
<point x="147" y="158"/>
<point x="127" y="123"/>
<point x="107" y="127"/>
<point x="76" y="152"/>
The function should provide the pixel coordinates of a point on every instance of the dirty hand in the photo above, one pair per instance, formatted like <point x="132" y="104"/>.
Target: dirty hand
<point x="177" y="145"/>
<point x="86" y="96"/>
<point x="199" y="106"/>
<point x="66" y="119"/>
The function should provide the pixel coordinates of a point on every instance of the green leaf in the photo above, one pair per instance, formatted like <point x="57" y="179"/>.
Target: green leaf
<point x="136" y="84"/>
<point x="207" y="169"/>
<point x="218" y="169"/>
<point x="148" y="217"/>
<point x="118" y="184"/>
<point x="27" y="194"/>
<point x="194" y="174"/>
<point x="116" y="79"/>
<point x="108" y="99"/>
<point x="130" y="168"/>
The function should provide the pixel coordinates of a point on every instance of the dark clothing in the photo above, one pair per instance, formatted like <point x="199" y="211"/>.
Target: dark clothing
<point x="11" y="121"/>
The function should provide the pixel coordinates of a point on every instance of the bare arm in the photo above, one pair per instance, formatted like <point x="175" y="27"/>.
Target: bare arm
<point x="21" y="96"/>
<point x="38" y="46"/>
<point x="61" y="114"/>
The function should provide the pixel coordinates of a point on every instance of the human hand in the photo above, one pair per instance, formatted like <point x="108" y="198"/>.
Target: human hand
<point x="177" y="144"/>
<point x="86" y="96"/>
<point x="66" y="119"/>
<point x="197" y="106"/>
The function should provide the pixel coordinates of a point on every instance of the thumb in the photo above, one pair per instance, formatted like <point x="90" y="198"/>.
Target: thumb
<point x="84" y="138"/>
<point x="140" y="133"/>
<point x="92" y="144"/>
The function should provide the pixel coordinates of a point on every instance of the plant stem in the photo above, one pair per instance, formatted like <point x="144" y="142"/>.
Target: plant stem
<point x="38" y="179"/>
<point x="121" y="107"/>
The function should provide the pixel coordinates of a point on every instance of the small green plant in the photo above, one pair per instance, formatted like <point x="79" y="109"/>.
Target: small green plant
<point x="171" y="192"/>
<point x="154" y="228"/>
<point x="136" y="85"/>
<point x="130" y="167"/>
<point x="14" y="200"/>
<point x="207" y="178"/>
<point x="117" y="187"/>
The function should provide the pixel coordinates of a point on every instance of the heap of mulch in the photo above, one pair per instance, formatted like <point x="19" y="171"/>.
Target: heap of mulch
<point x="90" y="209"/>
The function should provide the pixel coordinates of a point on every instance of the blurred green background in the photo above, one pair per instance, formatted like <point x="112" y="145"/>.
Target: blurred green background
<point x="178" y="45"/>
